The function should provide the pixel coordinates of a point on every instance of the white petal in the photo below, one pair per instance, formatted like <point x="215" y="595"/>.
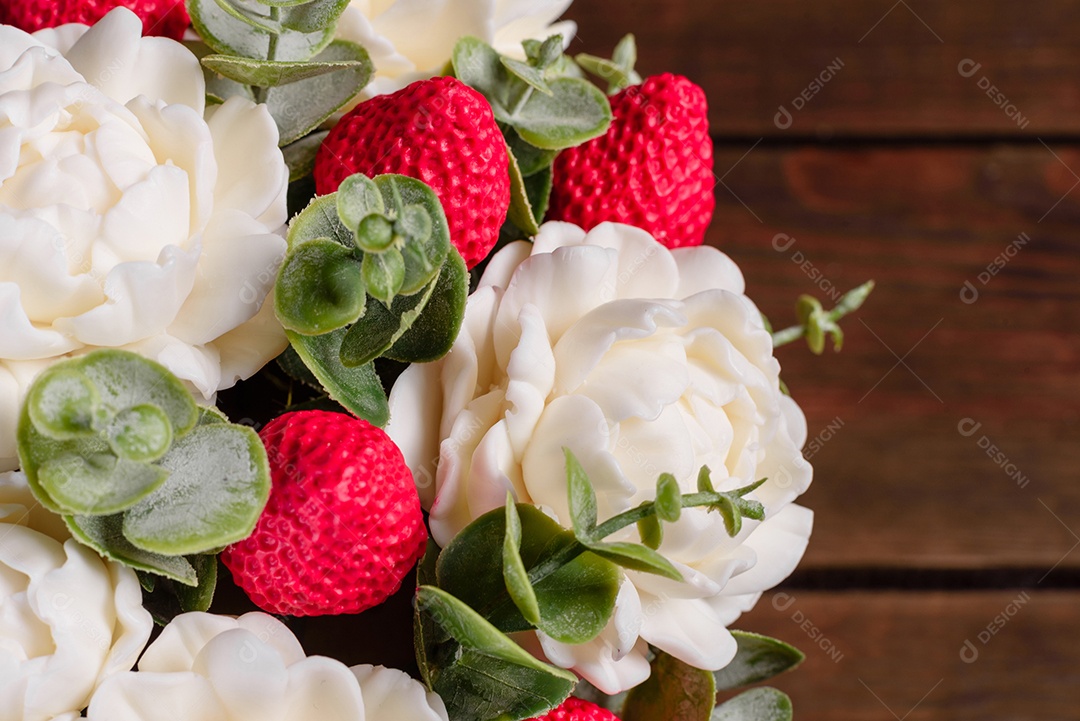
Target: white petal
<point x="252" y="175"/>
<point x="322" y="689"/>
<point x="704" y="268"/>
<point x="156" y="697"/>
<point x="646" y="268"/>
<point x="181" y="641"/>
<point x="779" y="543"/>
<point x="248" y="675"/>
<point x="690" y="630"/>
<point x="390" y="695"/>
<point x="21" y="340"/>
<point x="114" y="56"/>
<point x="415" y="406"/>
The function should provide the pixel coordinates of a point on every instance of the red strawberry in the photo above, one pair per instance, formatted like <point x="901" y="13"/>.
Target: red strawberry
<point x="652" y="169"/>
<point x="343" y="525"/>
<point x="576" y="709"/>
<point x="440" y="131"/>
<point x="160" y="17"/>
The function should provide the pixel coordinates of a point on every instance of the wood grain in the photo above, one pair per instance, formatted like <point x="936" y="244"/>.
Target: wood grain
<point x="897" y="483"/>
<point x="898" y="655"/>
<point x="900" y="63"/>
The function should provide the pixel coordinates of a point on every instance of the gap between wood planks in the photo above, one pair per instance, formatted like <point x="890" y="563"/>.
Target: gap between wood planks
<point x="843" y="142"/>
<point x="916" y="580"/>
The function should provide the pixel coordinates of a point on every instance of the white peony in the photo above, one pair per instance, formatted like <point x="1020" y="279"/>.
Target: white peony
<point x="68" y="619"/>
<point x="205" y="667"/>
<point x="131" y="215"/>
<point x="411" y="40"/>
<point x="641" y="361"/>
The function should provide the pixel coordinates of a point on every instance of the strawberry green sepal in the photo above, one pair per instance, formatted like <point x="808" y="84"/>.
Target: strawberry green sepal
<point x="370" y="273"/>
<point x="115" y="444"/>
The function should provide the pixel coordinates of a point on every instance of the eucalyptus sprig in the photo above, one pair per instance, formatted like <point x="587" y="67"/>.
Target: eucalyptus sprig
<point x="369" y="273"/>
<point x="815" y="323"/>
<point x="281" y="53"/>
<point x="560" y="581"/>
<point x="116" y="444"/>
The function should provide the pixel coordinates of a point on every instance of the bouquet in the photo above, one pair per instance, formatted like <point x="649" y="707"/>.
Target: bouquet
<point x="461" y="275"/>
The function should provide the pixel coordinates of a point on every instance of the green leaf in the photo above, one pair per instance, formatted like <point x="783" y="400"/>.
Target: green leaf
<point x="99" y="484"/>
<point x="313" y="16"/>
<point x="532" y="76"/>
<point x="732" y="515"/>
<point x="538" y="189"/>
<point x="63" y="403"/>
<point x="238" y="10"/>
<point x="544" y="54"/>
<point x="358" y="389"/>
<point x="274" y="73"/>
<point x="301" y="106"/>
<point x="704" y="481"/>
<point x="582" y="498"/>
<point x="104" y="534"/>
<point x="477" y="65"/>
<point x="758" y="658"/>
<point x="200" y="597"/>
<point x="228" y="34"/>
<point x="759" y="704"/>
<point x="422" y="260"/>
<point x="521" y="212"/>
<point x="575" y="596"/>
<point x="384" y="274"/>
<point x="300" y="156"/>
<point x="381" y="327"/>
<point x="635" y="557"/>
<point x="218" y="485"/>
<point x="531" y="159"/>
<point x="140" y="433"/>
<point x="358" y="197"/>
<point x="514" y="573"/>
<point x="576" y="112"/>
<point x="319" y="220"/>
<point x="124" y="379"/>
<point x="674" y="691"/>
<point x="431" y="335"/>
<point x="668" y="498"/>
<point x="651" y="531"/>
<point x="320" y="288"/>
<point x="484" y="675"/>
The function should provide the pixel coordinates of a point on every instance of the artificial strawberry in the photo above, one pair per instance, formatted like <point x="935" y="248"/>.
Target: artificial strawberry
<point x="576" y="709"/>
<point x="343" y="525"/>
<point x="440" y="131"/>
<point x="160" y="17"/>
<point x="652" y="169"/>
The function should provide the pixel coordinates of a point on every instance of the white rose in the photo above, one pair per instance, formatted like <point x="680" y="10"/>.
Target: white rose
<point x="641" y="361"/>
<point x="131" y="215"/>
<point x="68" y="619"/>
<point x="206" y="667"/>
<point x="411" y="40"/>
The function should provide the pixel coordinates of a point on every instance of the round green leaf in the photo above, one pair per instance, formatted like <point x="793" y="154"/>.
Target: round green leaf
<point x="319" y="221"/>
<point x="414" y="224"/>
<point x="433" y="333"/>
<point x="124" y="379"/>
<point x="98" y="484"/>
<point x="320" y="288"/>
<point x="63" y="403"/>
<point x="759" y="704"/>
<point x="758" y="658"/>
<point x="668" y="498"/>
<point x="383" y="274"/>
<point x="218" y="485"/>
<point x="375" y="234"/>
<point x="575" y="112"/>
<point x="422" y="259"/>
<point x="358" y="389"/>
<point x="358" y="197"/>
<point x="104" y="534"/>
<point x="380" y="327"/>
<point x="140" y="433"/>
<point x="575" y="601"/>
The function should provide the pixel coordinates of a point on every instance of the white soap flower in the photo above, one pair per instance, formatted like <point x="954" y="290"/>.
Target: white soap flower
<point x="131" y="216"/>
<point x="410" y="40"/>
<point x="68" y="619"/>
<point x="206" y="667"/>
<point x="640" y="360"/>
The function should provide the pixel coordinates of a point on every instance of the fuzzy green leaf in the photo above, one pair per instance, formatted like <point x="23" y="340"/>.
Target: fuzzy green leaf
<point x="319" y="220"/>
<point x="358" y="388"/>
<point x="674" y="691"/>
<point x="64" y="404"/>
<point x="759" y="704"/>
<point x="582" y="498"/>
<point x="312" y="16"/>
<point x="104" y="534"/>
<point x="433" y="333"/>
<point x="574" y="601"/>
<point x="246" y="36"/>
<point x="200" y="597"/>
<point x="520" y="212"/>
<point x="219" y="483"/>
<point x="100" y="484"/>
<point x="576" y="112"/>
<point x="301" y="106"/>
<point x="273" y="73"/>
<point x="636" y="557"/>
<point x="531" y="76"/>
<point x="538" y="190"/>
<point x="668" y="498"/>
<point x="140" y="433"/>
<point x="384" y="274"/>
<point x="320" y="288"/>
<point x="358" y="197"/>
<point x="530" y="159"/>
<point x="424" y="259"/>
<point x="758" y="658"/>
<point x="651" y="531"/>
<point x="381" y="327"/>
<point x="481" y="674"/>
<point x="514" y="573"/>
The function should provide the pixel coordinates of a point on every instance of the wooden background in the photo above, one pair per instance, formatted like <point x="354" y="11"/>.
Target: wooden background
<point x="902" y="169"/>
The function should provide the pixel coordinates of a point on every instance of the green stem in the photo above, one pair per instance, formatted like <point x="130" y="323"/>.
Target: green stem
<point x="788" y="335"/>
<point x="523" y="99"/>
<point x="271" y="52"/>
<point x="849" y="302"/>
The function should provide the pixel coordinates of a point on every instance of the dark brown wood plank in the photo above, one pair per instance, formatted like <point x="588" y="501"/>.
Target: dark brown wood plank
<point x="898" y="655"/>
<point x="897" y="483"/>
<point x="895" y="65"/>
